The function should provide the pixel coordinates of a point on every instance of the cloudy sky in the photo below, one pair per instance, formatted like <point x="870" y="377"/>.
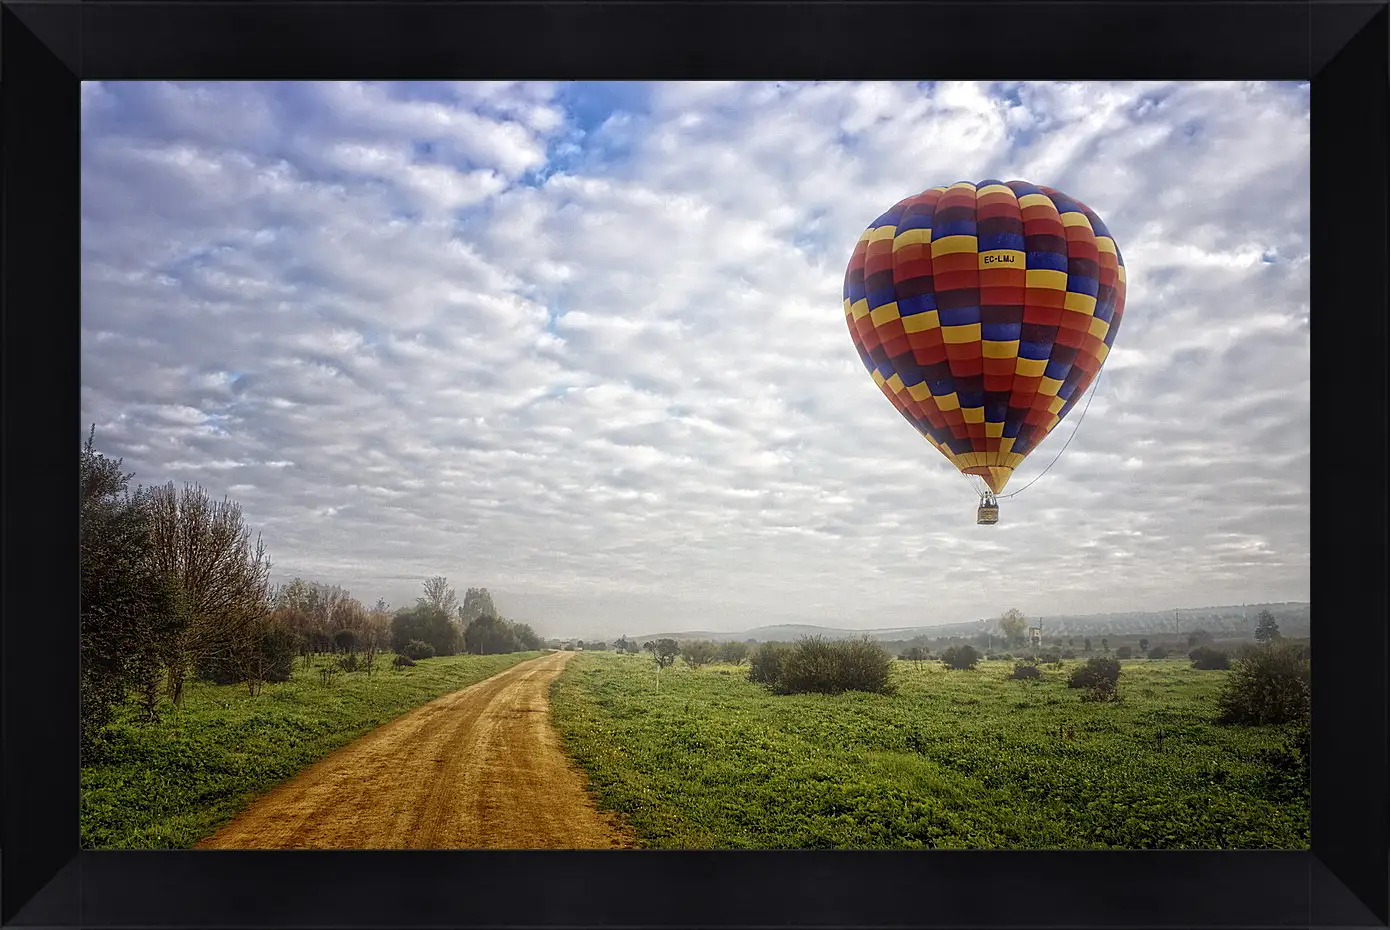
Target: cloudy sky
<point x="583" y="344"/>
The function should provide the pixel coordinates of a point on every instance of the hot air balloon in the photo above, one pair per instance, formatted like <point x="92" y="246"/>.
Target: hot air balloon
<point x="983" y="312"/>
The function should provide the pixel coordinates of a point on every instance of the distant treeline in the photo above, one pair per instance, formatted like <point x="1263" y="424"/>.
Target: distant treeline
<point x="174" y="588"/>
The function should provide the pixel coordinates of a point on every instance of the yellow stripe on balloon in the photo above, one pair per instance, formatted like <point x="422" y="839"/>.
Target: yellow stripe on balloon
<point x="950" y="245"/>
<point x="1046" y="278"/>
<point x="1049" y="386"/>
<point x="947" y="402"/>
<point x="1031" y="367"/>
<point x="921" y="322"/>
<point x="1082" y="303"/>
<point x="960" y="335"/>
<point x="992" y="349"/>
<point x="885" y="314"/>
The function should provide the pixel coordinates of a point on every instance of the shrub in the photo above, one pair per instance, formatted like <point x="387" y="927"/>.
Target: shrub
<point x="1098" y="676"/>
<point x="1269" y="684"/>
<point x="1069" y="654"/>
<point x="815" y="665"/>
<point x="1124" y="652"/>
<point x="1158" y="652"/>
<point x="990" y="656"/>
<point x="1024" y="672"/>
<point x="698" y="652"/>
<point x="1008" y="656"/>
<point x="1050" y="657"/>
<point x="960" y="657"/>
<point x="765" y="665"/>
<point x="349" y="662"/>
<point x="345" y="641"/>
<point x="734" y="653"/>
<point x="401" y="662"/>
<point x="1209" y="659"/>
<point x="415" y="649"/>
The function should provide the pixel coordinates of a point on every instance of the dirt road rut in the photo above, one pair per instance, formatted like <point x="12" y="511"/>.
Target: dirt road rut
<point x="481" y="768"/>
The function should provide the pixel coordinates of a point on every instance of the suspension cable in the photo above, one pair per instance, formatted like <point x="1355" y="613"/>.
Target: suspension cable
<point x="1090" y="398"/>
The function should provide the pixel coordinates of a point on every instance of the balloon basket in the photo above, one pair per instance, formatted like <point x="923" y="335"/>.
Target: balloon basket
<point x="988" y="513"/>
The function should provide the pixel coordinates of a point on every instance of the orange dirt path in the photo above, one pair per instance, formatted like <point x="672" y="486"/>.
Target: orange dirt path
<point x="481" y="768"/>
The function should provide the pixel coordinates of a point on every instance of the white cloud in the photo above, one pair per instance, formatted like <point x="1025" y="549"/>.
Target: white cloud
<point x="617" y="388"/>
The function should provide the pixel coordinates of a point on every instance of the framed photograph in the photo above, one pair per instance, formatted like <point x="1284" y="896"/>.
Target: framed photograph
<point x="668" y="464"/>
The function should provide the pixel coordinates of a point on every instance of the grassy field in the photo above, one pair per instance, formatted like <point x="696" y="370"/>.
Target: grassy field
<point x="169" y="784"/>
<point x="955" y="759"/>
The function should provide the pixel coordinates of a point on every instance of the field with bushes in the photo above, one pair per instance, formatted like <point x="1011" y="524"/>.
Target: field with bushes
<point x="167" y="784"/>
<point x="951" y="759"/>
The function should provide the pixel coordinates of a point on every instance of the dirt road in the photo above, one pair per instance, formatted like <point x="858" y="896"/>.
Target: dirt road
<point x="481" y="768"/>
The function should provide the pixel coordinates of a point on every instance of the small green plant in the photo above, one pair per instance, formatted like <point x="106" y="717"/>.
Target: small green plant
<point x="1023" y="671"/>
<point x="1124" y="652"/>
<point x="1158" y="652"/>
<point x="402" y="661"/>
<point x="327" y="674"/>
<point x="418" y="649"/>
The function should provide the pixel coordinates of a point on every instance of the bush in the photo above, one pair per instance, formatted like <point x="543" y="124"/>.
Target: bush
<point x="734" y="653"/>
<point x="1269" y="684"/>
<point x="349" y="662"/>
<point x="1158" y="652"/>
<point x="698" y="652"/>
<point x="1024" y="672"/>
<point x="1098" y="678"/>
<point x="815" y="665"/>
<point x="401" y="662"/>
<point x="765" y="665"/>
<point x="1124" y="652"/>
<point x="1050" y="658"/>
<point x="1069" y="654"/>
<point x="1209" y="659"/>
<point x="415" y="649"/>
<point x="960" y="657"/>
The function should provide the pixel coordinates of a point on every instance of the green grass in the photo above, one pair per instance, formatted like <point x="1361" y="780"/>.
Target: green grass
<point x="954" y="760"/>
<point x="167" y="785"/>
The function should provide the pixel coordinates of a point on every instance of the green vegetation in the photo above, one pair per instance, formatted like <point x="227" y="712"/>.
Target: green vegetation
<point x="167" y="784"/>
<point x="954" y="759"/>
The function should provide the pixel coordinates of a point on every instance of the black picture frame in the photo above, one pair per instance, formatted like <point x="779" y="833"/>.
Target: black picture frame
<point x="47" y="48"/>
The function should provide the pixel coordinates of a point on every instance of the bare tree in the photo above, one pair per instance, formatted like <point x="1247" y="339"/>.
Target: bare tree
<point x="224" y="578"/>
<point x="439" y="595"/>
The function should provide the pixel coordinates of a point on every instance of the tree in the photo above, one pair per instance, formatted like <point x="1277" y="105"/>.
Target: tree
<point x="426" y="624"/>
<point x="130" y="610"/>
<point x="489" y="635"/>
<point x="1013" y="624"/>
<point x="1144" y="644"/>
<point x="622" y="643"/>
<point x="699" y="652"/>
<point x="526" y="637"/>
<point x="439" y="595"/>
<point x="917" y="655"/>
<point x="1267" y="630"/>
<point x="1087" y="644"/>
<point x="204" y="548"/>
<point x="1105" y="645"/>
<point x="664" y="652"/>
<point x="734" y="652"/>
<point x="477" y="603"/>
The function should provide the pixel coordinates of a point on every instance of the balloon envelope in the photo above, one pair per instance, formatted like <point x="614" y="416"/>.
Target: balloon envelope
<point x="983" y="312"/>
